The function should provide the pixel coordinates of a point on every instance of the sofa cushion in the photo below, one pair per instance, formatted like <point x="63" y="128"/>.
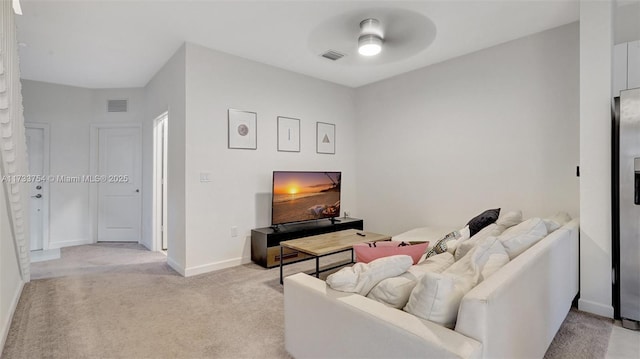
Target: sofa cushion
<point x="395" y="291"/>
<point x="367" y="252"/>
<point x="519" y="238"/>
<point x="496" y="258"/>
<point x="437" y="297"/>
<point x="473" y="263"/>
<point x="557" y="221"/>
<point x="361" y="277"/>
<point x="506" y="220"/>
<point x="482" y="220"/>
<point x="436" y="263"/>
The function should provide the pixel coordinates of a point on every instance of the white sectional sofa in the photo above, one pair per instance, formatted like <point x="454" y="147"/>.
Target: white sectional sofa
<point x="515" y="313"/>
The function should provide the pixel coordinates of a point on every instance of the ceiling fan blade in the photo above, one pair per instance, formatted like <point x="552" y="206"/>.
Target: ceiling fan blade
<point x="16" y="7"/>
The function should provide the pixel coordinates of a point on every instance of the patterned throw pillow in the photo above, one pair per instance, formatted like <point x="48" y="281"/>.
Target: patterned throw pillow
<point x="441" y="245"/>
<point x="482" y="220"/>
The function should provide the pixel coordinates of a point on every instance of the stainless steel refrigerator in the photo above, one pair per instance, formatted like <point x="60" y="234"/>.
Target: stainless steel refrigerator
<point x="626" y="137"/>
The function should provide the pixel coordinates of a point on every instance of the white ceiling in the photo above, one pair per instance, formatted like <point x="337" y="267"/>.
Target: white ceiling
<point x="117" y="44"/>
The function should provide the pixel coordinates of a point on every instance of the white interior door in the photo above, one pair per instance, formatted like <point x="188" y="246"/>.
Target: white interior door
<point x="39" y="200"/>
<point x="119" y="179"/>
<point x="161" y="178"/>
<point x="160" y="183"/>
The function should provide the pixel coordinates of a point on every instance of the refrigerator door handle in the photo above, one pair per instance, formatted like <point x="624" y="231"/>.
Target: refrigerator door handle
<point x="636" y="181"/>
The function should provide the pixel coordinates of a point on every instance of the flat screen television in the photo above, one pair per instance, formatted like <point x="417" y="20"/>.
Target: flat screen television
<point x="304" y="196"/>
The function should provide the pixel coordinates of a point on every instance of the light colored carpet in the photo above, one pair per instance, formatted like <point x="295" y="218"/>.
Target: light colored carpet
<point x="121" y="301"/>
<point x="581" y="336"/>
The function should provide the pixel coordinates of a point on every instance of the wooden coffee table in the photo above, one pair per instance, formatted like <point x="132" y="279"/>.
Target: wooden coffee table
<point x="330" y="243"/>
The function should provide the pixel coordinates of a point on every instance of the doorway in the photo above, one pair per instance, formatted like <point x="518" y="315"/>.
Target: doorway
<point x="116" y="178"/>
<point x="37" y="136"/>
<point x="160" y="141"/>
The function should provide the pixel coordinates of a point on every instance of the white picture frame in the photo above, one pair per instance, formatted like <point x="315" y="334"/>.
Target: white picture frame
<point x="242" y="131"/>
<point x="325" y="138"/>
<point x="288" y="134"/>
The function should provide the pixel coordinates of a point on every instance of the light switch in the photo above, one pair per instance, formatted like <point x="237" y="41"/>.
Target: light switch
<point x="205" y="176"/>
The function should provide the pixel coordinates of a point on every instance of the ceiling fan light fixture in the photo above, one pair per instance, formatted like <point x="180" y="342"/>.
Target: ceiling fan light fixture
<point x="369" y="45"/>
<point x="370" y="40"/>
<point x="370" y="26"/>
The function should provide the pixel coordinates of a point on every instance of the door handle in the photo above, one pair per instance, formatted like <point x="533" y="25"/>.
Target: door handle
<point x="137" y="190"/>
<point x="37" y="196"/>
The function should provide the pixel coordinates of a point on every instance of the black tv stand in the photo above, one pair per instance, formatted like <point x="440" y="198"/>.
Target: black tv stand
<point x="265" y="242"/>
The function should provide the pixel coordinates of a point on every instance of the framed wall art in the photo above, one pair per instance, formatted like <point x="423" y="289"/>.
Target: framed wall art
<point x="325" y="138"/>
<point x="243" y="132"/>
<point x="288" y="134"/>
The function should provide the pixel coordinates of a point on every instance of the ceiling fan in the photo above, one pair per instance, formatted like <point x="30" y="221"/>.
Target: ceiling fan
<point x="17" y="9"/>
<point x="372" y="36"/>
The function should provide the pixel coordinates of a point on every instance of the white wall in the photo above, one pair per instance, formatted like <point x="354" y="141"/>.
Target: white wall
<point x="14" y="270"/>
<point x="166" y="92"/>
<point x="10" y="281"/>
<point x="69" y="111"/>
<point x="627" y="23"/>
<point x="596" y="48"/>
<point x="239" y="194"/>
<point x="496" y="128"/>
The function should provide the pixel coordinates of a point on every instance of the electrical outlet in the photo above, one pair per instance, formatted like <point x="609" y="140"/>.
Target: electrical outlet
<point x="205" y="176"/>
<point x="234" y="231"/>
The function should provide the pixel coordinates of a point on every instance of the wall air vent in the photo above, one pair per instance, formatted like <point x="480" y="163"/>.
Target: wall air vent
<point x="332" y="55"/>
<point x="117" y="105"/>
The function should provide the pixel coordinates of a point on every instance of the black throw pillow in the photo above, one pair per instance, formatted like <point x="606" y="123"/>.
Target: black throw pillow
<point x="482" y="220"/>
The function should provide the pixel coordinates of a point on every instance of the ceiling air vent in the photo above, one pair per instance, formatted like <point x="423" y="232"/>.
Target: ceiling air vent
<point x="117" y="105"/>
<point x="332" y="55"/>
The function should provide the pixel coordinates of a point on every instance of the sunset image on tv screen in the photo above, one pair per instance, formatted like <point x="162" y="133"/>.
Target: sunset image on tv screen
<point x="302" y="196"/>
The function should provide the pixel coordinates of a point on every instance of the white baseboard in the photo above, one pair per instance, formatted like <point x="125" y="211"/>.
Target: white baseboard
<point x="45" y="255"/>
<point x="77" y="242"/>
<point x="176" y="267"/>
<point x="12" y="309"/>
<point x="595" y="308"/>
<point x="210" y="267"/>
<point x="144" y="244"/>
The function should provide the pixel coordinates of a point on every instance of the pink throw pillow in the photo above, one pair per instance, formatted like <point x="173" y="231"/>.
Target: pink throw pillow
<point x="366" y="252"/>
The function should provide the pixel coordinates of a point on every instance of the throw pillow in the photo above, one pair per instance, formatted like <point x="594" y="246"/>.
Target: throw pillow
<point x="467" y="246"/>
<point x="437" y="297"/>
<point x="519" y="238"/>
<point x="395" y="291"/>
<point x="508" y="220"/>
<point x="482" y="220"/>
<point x="361" y="277"/>
<point x="454" y="243"/>
<point x="441" y="245"/>
<point x="367" y="252"/>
